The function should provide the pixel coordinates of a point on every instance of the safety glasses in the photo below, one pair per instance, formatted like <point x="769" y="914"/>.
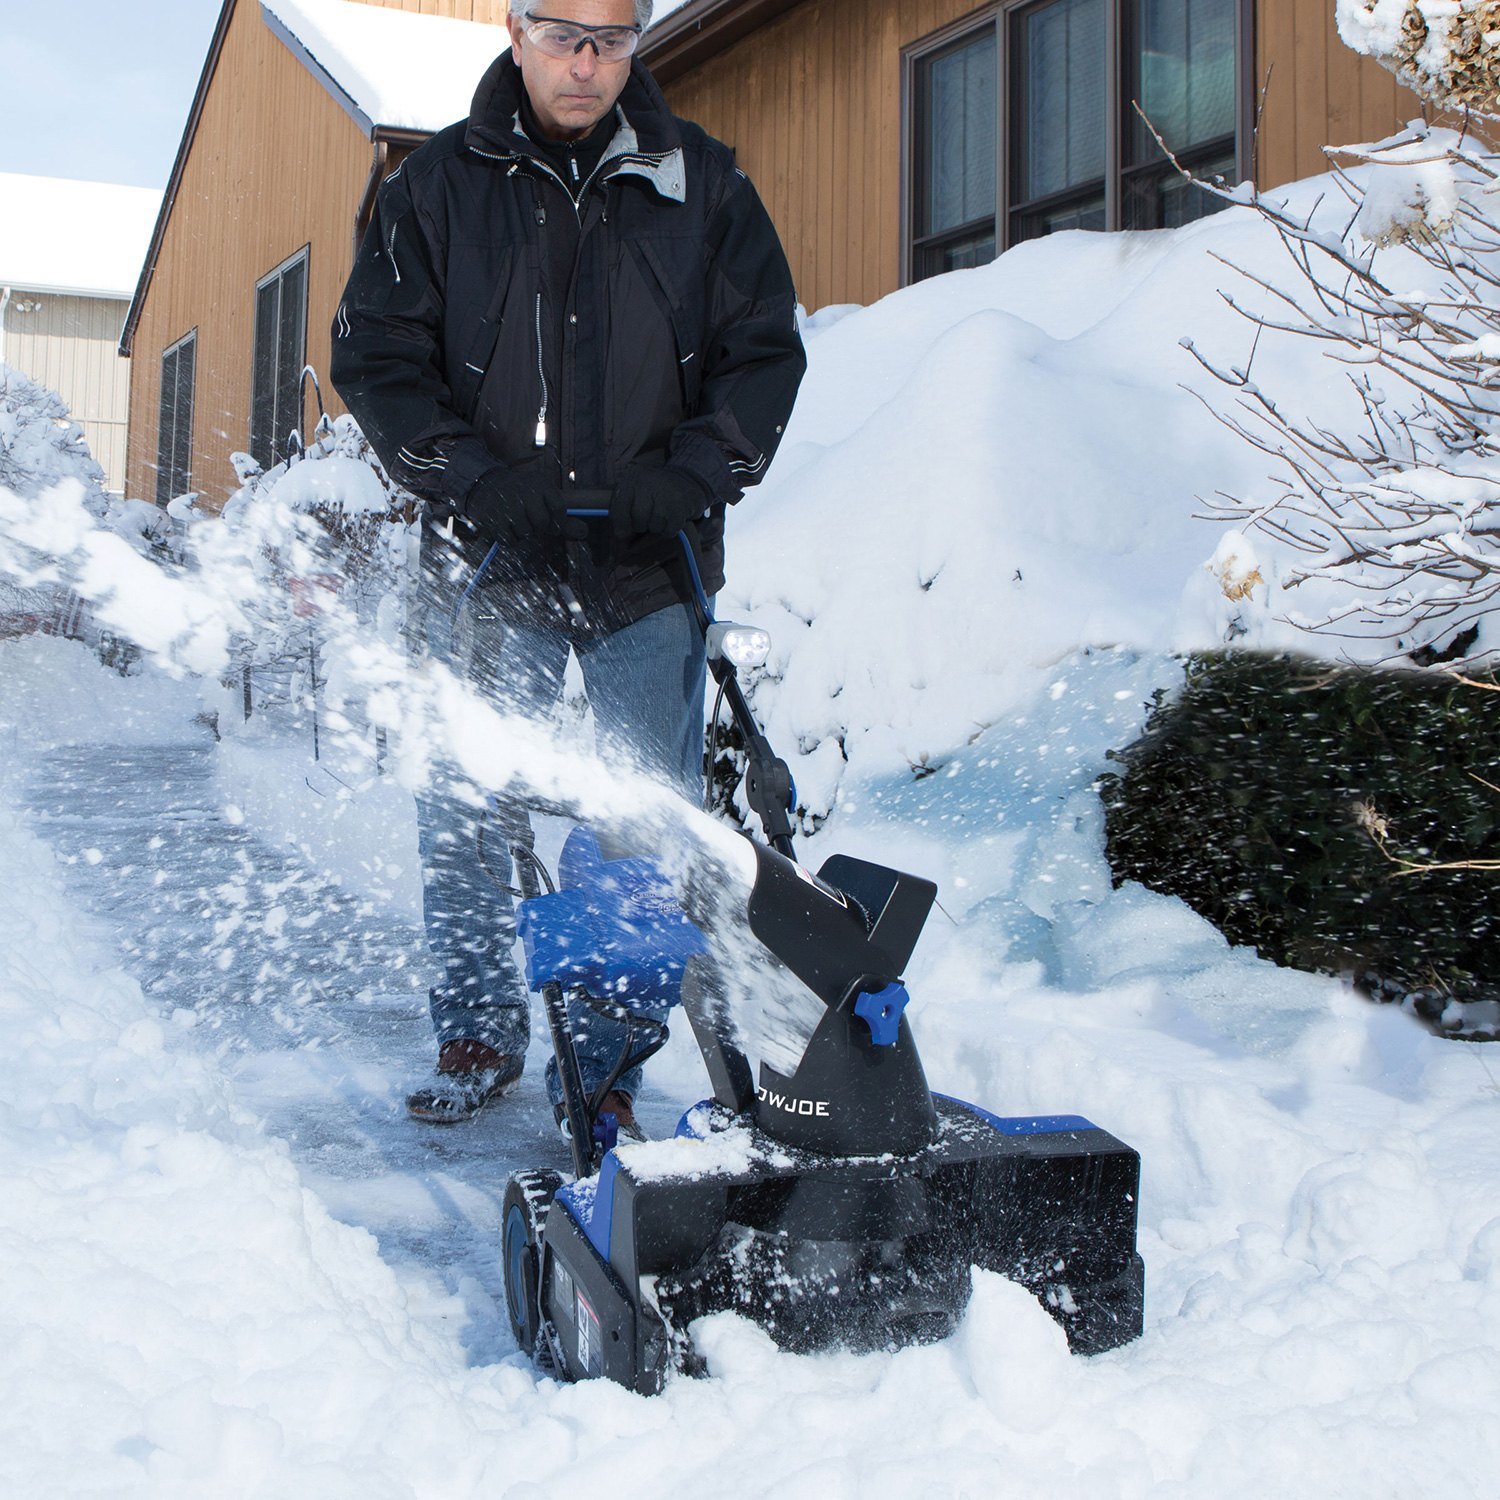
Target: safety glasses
<point x="564" y="38"/>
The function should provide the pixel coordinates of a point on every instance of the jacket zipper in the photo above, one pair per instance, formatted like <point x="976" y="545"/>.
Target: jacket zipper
<point x="390" y="250"/>
<point x="541" y="416"/>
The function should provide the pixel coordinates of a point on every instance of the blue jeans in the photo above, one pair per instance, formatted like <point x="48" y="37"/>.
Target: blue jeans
<point x="645" y="684"/>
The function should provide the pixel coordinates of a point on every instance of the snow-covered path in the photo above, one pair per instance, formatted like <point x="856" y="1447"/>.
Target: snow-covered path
<point x="179" y="1317"/>
<point x="310" y="1001"/>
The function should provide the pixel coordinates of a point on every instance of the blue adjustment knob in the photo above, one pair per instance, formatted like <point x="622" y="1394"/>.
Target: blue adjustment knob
<point x="881" y="1011"/>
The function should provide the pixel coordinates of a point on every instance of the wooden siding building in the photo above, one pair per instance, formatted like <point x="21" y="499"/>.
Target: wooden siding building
<point x="890" y="139"/>
<point x="69" y="252"/>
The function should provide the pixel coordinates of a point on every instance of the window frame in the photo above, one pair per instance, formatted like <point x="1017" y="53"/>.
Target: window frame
<point x="916" y="245"/>
<point x="274" y="455"/>
<point x="166" y="472"/>
<point x="1000" y="16"/>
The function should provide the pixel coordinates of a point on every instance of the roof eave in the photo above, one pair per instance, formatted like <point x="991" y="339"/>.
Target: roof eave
<point x="701" y="30"/>
<point x="44" y="289"/>
<point x="299" y="50"/>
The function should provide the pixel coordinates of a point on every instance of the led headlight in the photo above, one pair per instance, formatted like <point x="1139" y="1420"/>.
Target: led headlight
<point x="742" y="645"/>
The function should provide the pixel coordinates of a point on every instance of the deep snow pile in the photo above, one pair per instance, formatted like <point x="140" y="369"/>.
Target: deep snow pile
<point x="973" y="554"/>
<point x="994" y="468"/>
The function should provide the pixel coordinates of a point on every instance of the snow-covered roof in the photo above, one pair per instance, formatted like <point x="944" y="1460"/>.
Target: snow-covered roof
<point x="396" y="68"/>
<point x="87" y="238"/>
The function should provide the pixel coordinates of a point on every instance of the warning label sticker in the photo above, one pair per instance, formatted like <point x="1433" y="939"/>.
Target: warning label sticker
<point x="590" y="1344"/>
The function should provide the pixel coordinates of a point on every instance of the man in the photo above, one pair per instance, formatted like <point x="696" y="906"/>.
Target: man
<point x="570" y="291"/>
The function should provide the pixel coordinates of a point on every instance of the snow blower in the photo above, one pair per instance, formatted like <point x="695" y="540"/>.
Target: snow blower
<point x="838" y="1202"/>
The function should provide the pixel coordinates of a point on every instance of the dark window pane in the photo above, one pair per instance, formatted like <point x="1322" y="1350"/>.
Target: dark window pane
<point x="1058" y="88"/>
<point x="1184" y="73"/>
<point x="164" y="428"/>
<point x="263" y="388"/>
<point x="957" y="255"/>
<point x="280" y="353"/>
<point x="1165" y="199"/>
<point x="961" y="119"/>
<point x="174" y="433"/>
<point x="1084" y="213"/>
<point x="291" y="349"/>
<point x="182" y="442"/>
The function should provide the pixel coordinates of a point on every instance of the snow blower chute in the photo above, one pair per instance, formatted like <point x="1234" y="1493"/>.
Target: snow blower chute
<point x="841" y="1202"/>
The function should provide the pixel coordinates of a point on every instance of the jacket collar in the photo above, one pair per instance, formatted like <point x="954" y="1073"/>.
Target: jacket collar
<point x="647" y="142"/>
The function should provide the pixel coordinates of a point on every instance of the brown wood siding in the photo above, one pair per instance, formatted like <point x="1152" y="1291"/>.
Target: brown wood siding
<point x="812" y="105"/>
<point x="71" y="344"/>
<point x="276" y="164"/>
<point x="1319" y="93"/>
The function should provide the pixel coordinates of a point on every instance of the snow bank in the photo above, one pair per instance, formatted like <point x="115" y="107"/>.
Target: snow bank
<point x="182" y="1317"/>
<point x="55" y="692"/>
<point x="987" y="472"/>
<point x="167" y="1279"/>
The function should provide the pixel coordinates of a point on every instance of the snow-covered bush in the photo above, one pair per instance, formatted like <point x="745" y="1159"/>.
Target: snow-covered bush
<point x="361" y="533"/>
<point x="1387" y="525"/>
<point x="1276" y="796"/>
<point x="1443" y="50"/>
<point x="40" y="446"/>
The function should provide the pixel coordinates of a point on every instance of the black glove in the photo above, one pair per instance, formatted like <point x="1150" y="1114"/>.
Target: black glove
<point x="511" y="505"/>
<point x="656" y="500"/>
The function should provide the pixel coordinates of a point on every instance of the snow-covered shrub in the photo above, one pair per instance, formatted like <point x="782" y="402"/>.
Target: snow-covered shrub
<point x="362" y="534"/>
<point x="1386" y="526"/>
<point x="1275" y="796"/>
<point x="40" y="446"/>
<point x="1443" y="50"/>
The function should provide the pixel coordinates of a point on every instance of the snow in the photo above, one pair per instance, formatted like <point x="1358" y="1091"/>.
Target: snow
<point x="228" y="1265"/>
<point x="85" y="239"/>
<point x="1415" y="192"/>
<point x="401" y="69"/>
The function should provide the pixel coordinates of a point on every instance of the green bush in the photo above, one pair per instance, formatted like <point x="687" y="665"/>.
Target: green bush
<point x="1253" y="792"/>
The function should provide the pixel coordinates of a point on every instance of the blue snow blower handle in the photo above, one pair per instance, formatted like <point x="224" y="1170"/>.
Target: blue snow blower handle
<point x="613" y="928"/>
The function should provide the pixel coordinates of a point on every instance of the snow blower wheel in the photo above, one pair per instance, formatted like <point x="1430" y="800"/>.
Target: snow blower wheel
<point x="528" y="1196"/>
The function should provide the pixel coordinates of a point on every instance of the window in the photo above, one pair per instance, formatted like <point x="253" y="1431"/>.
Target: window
<point x="956" y="225"/>
<point x="1022" y="121"/>
<point x="1182" y="71"/>
<point x="174" y="433"/>
<point x="280" y="354"/>
<point x="1057" y="81"/>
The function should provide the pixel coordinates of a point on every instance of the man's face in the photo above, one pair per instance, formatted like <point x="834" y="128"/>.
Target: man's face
<point x="569" y="96"/>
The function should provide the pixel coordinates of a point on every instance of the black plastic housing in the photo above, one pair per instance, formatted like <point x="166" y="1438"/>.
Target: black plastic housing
<point x="863" y="1253"/>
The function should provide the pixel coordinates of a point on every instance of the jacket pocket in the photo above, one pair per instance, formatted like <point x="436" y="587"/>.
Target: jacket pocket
<point x="686" y="328"/>
<point x="479" y="349"/>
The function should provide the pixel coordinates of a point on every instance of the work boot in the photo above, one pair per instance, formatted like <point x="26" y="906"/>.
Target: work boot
<point x="617" y="1104"/>
<point x="469" y="1075"/>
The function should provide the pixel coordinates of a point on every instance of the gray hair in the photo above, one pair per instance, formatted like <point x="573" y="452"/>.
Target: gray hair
<point x="523" y="10"/>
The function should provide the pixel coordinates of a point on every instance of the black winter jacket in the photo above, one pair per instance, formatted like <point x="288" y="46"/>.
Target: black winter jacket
<point x="494" y="318"/>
